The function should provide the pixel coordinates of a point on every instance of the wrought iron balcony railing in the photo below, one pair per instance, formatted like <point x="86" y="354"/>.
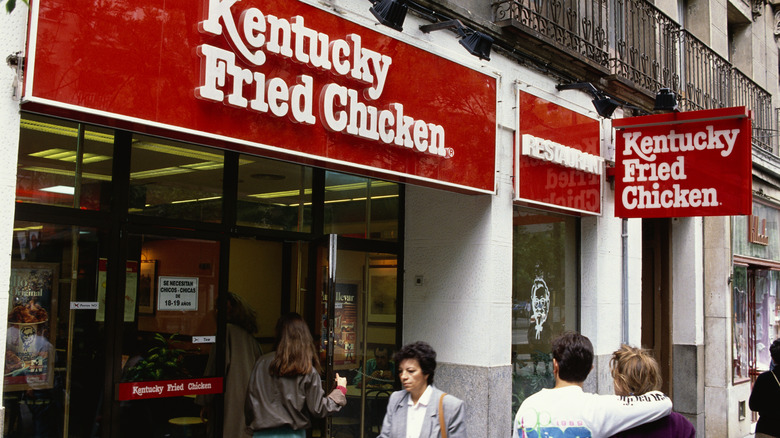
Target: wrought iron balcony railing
<point x="646" y="46"/>
<point x="578" y="27"/>
<point x="646" y="49"/>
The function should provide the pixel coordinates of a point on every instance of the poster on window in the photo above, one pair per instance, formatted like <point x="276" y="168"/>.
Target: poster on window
<point x="131" y="286"/>
<point x="29" y="354"/>
<point x="344" y="324"/>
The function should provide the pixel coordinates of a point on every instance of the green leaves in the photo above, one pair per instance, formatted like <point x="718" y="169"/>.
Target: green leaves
<point x="10" y="5"/>
<point x="162" y="362"/>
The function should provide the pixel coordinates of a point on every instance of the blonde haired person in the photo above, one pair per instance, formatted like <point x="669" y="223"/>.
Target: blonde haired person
<point x="636" y="372"/>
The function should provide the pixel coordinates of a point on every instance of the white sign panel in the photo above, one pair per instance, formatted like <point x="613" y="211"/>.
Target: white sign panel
<point x="177" y="293"/>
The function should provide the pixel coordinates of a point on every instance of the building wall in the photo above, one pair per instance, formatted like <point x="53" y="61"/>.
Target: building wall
<point x="12" y="35"/>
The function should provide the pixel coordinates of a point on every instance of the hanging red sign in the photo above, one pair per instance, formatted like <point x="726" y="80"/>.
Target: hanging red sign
<point x="287" y="80"/>
<point x="684" y="164"/>
<point x="169" y="388"/>
<point x="558" y="160"/>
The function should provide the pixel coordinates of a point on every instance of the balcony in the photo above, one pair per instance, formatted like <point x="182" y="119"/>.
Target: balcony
<point x="636" y="49"/>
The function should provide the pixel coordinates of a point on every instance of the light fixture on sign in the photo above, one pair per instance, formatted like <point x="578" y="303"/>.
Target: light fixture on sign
<point x="665" y="100"/>
<point x="604" y="104"/>
<point x="391" y="13"/>
<point x="476" y="43"/>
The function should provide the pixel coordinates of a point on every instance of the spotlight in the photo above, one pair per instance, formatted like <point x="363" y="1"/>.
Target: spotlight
<point x="390" y="13"/>
<point x="665" y="100"/>
<point x="476" y="43"/>
<point x="604" y="104"/>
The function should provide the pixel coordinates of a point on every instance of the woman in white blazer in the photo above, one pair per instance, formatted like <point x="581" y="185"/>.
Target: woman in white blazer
<point x="414" y="411"/>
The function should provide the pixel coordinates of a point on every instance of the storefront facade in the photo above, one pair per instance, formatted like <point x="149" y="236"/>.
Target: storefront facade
<point x="387" y="185"/>
<point x="283" y="202"/>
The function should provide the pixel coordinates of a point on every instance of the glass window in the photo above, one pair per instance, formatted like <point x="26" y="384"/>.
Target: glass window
<point x="544" y="296"/>
<point x="766" y="223"/>
<point x="54" y="355"/>
<point x="177" y="282"/>
<point x="766" y="315"/>
<point x="361" y="207"/>
<point x="740" y="324"/>
<point x="64" y="163"/>
<point x="175" y="180"/>
<point x="273" y="194"/>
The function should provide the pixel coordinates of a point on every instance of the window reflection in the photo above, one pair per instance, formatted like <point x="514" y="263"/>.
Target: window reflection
<point x="543" y="296"/>
<point x="175" y="180"/>
<point x="274" y="195"/>
<point x="361" y="207"/>
<point x="64" y="163"/>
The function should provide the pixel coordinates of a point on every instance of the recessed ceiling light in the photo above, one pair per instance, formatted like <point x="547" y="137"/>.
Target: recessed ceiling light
<point x="65" y="190"/>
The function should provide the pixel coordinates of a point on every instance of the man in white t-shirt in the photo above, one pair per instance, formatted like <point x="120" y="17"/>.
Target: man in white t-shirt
<point x="568" y="411"/>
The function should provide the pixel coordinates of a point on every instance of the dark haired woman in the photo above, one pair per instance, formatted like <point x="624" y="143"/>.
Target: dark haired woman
<point x="765" y="398"/>
<point x="241" y="352"/>
<point x="285" y="389"/>
<point x="415" y="411"/>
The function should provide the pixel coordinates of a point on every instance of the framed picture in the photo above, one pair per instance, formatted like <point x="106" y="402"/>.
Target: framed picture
<point x="382" y="288"/>
<point x="32" y="320"/>
<point x="147" y="282"/>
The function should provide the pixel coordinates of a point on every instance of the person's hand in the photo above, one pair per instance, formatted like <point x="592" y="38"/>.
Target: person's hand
<point x="341" y="381"/>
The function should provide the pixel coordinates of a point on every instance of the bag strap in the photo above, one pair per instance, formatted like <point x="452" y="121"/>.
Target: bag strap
<point x="773" y="375"/>
<point x="443" y="424"/>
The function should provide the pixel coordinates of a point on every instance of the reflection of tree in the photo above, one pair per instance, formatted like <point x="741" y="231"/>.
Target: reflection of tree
<point x="538" y="251"/>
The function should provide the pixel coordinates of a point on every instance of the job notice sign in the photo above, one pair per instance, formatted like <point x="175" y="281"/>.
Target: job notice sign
<point x="177" y="293"/>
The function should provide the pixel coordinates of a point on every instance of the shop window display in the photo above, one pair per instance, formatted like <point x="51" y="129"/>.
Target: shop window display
<point x="52" y="350"/>
<point x="543" y="296"/>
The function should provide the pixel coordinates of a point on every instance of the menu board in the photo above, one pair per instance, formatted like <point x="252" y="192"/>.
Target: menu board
<point x="29" y="354"/>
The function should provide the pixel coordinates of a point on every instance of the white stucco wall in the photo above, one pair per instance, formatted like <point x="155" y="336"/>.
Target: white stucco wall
<point x="687" y="281"/>
<point x="12" y="37"/>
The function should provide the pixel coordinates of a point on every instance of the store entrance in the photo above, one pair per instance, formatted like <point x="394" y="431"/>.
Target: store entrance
<point x="181" y="335"/>
<point x="355" y="306"/>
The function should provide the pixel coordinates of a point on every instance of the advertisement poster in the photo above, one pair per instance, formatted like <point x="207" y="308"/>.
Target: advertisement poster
<point x="131" y="290"/>
<point x="345" y="324"/>
<point x="29" y="354"/>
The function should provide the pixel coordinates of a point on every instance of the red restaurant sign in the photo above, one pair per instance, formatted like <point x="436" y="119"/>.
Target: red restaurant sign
<point x="684" y="164"/>
<point x="169" y="388"/>
<point x="558" y="160"/>
<point x="284" y="79"/>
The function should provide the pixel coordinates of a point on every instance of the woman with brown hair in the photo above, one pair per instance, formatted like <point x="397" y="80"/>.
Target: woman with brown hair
<point x="636" y="372"/>
<point x="285" y="390"/>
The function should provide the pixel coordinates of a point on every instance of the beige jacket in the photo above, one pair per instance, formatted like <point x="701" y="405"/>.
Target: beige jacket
<point x="287" y="401"/>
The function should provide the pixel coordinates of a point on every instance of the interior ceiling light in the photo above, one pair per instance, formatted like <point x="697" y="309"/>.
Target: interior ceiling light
<point x="391" y="13"/>
<point x="67" y="131"/>
<point x="69" y="156"/>
<point x="64" y="190"/>
<point x="476" y="43"/>
<point x="604" y="104"/>
<point x="71" y="173"/>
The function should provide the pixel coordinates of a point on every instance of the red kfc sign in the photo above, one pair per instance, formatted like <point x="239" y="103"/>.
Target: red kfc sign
<point x="684" y="164"/>
<point x="284" y="79"/>
<point x="168" y="388"/>
<point x="558" y="160"/>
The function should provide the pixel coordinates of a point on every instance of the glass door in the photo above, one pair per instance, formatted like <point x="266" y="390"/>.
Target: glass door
<point x="168" y="336"/>
<point x="355" y="313"/>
